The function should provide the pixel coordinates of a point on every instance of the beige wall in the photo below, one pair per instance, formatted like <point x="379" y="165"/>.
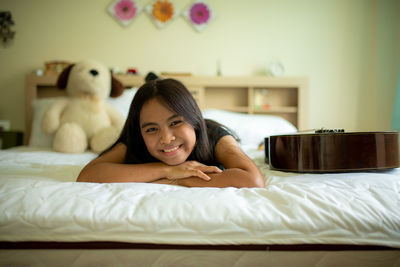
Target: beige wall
<point x="349" y="49"/>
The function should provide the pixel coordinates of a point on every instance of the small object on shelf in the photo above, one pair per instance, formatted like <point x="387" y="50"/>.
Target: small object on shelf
<point x="5" y="125"/>
<point x="260" y="99"/>
<point x="257" y="100"/>
<point x="151" y="76"/>
<point x="266" y="106"/>
<point x="276" y="68"/>
<point x="114" y="70"/>
<point x="132" y="71"/>
<point x="219" y="72"/>
<point x="39" y="72"/>
<point x="55" y="67"/>
<point x="10" y="138"/>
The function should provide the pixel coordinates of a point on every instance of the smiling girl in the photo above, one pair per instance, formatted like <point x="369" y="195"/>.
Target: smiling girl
<point x="166" y="140"/>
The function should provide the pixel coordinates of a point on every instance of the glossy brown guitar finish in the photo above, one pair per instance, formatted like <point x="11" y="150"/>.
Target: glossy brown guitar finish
<point x="333" y="151"/>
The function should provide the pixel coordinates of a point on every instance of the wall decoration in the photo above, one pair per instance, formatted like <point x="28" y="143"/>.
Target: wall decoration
<point x="199" y="14"/>
<point x="162" y="12"/>
<point x="6" y="21"/>
<point x="124" y="11"/>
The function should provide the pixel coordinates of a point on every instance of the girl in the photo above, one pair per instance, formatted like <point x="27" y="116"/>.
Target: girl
<point x="166" y="140"/>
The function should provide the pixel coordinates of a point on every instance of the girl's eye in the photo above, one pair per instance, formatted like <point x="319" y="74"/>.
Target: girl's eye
<point x="151" y="130"/>
<point x="177" y="122"/>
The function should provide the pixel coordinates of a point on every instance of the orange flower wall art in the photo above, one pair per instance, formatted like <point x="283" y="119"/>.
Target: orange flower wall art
<point x="162" y="12"/>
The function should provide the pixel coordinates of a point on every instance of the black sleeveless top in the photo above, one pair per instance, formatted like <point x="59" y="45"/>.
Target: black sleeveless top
<point x="215" y="132"/>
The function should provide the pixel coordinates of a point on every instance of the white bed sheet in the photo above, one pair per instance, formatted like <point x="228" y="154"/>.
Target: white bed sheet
<point x="39" y="201"/>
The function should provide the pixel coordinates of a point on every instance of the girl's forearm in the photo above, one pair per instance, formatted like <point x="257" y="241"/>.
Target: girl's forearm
<point x="228" y="178"/>
<point x="106" y="172"/>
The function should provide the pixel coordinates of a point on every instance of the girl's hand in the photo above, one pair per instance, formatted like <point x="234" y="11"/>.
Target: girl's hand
<point x="190" y="169"/>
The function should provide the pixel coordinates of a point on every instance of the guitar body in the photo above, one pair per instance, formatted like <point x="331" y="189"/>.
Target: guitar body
<point x="333" y="151"/>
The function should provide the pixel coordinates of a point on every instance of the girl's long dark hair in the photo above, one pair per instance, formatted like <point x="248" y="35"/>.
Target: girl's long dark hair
<point x="178" y="98"/>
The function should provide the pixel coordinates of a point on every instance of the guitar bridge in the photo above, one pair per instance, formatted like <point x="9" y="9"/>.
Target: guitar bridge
<point x="322" y="130"/>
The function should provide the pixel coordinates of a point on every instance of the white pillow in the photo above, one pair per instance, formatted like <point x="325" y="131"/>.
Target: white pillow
<point x="123" y="102"/>
<point x="250" y="128"/>
<point x="40" y="139"/>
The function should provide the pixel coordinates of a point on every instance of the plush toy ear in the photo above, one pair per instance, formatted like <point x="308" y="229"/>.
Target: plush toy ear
<point x="63" y="77"/>
<point x="117" y="88"/>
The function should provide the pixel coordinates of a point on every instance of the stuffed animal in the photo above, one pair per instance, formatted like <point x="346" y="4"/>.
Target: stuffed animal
<point x="84" y="119"/>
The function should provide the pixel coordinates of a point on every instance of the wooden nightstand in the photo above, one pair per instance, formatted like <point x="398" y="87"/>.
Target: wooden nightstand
<point x="11" y="138"/>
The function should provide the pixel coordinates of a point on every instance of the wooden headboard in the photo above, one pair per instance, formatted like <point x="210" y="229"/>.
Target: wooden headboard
<point x="281" y="96"/>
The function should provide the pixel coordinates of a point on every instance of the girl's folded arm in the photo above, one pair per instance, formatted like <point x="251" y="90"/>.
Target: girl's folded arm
<point x="110" y="168"/>
<point x="240" y="170"/>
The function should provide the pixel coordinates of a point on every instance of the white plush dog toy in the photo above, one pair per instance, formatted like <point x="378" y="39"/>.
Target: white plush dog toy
<point x="84" y="118"/>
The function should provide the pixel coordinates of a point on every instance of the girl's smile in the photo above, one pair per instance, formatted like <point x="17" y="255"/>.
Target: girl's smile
<point x="171" y="151"/>
<point x="168" y="137"/>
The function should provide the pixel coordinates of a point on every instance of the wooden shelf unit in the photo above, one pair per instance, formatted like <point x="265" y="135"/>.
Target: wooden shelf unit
<point x="284" y="96"/>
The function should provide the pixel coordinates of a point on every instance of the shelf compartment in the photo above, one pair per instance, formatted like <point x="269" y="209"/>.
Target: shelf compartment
<point x="226" y="98"/>
<point x="275" y="97"/>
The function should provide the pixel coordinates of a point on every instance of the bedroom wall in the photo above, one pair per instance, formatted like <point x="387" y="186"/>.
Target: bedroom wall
<point x="349" y="50"/>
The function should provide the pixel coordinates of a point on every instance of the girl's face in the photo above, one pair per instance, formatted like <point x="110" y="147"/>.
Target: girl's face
<point x="167" y="136"/>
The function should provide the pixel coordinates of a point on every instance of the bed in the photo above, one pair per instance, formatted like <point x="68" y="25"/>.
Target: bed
<point x="336" y="219"/>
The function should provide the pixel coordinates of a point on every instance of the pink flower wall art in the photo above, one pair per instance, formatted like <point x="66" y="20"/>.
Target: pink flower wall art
<point x="124" y="11"/>
<point x="199" y="14"/>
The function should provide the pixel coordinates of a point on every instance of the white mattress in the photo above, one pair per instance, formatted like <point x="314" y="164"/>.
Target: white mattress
<point x="39" y="201"/>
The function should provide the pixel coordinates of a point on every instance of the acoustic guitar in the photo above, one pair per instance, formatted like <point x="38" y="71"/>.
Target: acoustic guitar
<point x="332" y="151"/>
